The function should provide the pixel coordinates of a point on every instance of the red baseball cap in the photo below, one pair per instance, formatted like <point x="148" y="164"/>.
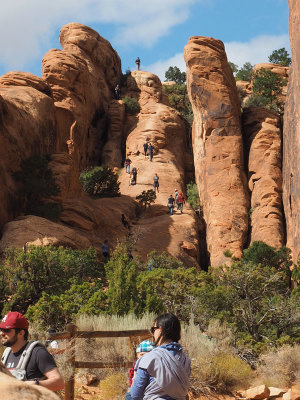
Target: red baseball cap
<point x="14" y="319"/>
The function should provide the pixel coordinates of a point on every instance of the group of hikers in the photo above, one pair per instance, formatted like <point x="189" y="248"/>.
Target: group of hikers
<point x="161" y="370"/>
<point x="178" y="200"/>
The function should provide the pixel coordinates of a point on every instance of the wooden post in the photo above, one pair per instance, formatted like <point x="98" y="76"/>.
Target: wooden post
<point x="70" y="348"/>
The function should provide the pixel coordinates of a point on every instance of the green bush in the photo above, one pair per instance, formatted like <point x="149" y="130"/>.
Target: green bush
<point x="131" y="105"/>
<point x="193" y="195"/>
<point x="178" y="98"/>
<point x="245" y="73"/>
<point x="146" y="197"/>
<point x="280" y="56"/>
<point x="100" y="182"/>
<point x="37" y="185"/>
<point x="174" y="74"/>
<point x="40" y="269"/>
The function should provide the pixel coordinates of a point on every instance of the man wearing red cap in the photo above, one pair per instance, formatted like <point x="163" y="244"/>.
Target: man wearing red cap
<point x="27" y="361"/>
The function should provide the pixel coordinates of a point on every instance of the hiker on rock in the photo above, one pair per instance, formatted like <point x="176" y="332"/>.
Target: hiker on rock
<point x="117" y="92"/>
<point x="150" y="149"/>
<point x="156" y="183"/>
<point x="138" y="63"/>
<point x="134" y="174"/>
<point x="27" y="361"/>
<point x="180" y="201"/>
<point x="127" y="164"/>
<point x="145" y="146"/>
<point x="176" y="198"/>
<point x="124" y="221"/>
<point x="171" y="203"/>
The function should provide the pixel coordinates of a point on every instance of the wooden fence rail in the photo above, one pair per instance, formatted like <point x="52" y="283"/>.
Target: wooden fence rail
<point x="72" y="334"/>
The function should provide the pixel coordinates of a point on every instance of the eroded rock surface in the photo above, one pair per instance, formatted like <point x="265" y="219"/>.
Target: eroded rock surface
<point x="263" y="142"/>
<point x="217" y="147"/>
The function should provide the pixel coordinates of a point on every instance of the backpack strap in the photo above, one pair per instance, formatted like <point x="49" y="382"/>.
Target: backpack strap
<point x="5" y="355"/>
<point x="26" y="354"/>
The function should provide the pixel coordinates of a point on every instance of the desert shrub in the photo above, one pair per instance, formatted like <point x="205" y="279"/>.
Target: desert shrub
<point x="114" y="386"/>
<point x="280" y="56"/>
<point x="256" y="101"/>
<point x="245" y="73"/>
<point x="131" y="105"/>
<point x="58" y="310"/>
<point x="146" y="197"/>
<point x="40" y="269"/>
<point x="178" y="98"/>
<point x="36" y="185"/>
<point x="193" y="195"/>
<point x="281" y="367"/>
<point x="100" y="182"/>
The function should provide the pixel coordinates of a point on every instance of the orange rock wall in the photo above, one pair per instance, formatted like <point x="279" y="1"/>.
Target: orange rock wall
<point x="217" y="147"/>
<point x="291" y="137"/>
<point x="263" y="142"/>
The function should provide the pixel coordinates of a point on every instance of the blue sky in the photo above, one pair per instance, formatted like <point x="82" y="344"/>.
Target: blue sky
<point x="155" y="30"/>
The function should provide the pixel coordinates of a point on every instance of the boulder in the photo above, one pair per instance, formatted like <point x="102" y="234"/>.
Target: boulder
<point x="263" y="143"/>
<point x="12" y="389"/>
<point x="86" y="378"/>
<point x="217" y="147"/>
<point x="292" y="394"/>
<point x="291" y="134"/>
<point x="276" y="392"/>
<point x="256" y="393"/>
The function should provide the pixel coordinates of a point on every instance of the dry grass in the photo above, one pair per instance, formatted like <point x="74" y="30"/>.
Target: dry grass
<point x="280" y="368"/>
<point x="114" y="386"/>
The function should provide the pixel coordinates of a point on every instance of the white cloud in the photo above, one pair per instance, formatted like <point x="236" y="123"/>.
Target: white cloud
<point x="255" y="51"/>
<point x="26" y="27"/>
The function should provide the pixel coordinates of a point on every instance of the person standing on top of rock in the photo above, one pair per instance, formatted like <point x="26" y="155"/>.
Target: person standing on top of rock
<point x="145" y="145"/>
<point x="180" y="202"/>
<point x="27" y="361"/>
<point x="150" y="149"/>
<point x="156" y="183"/>
<point x="138" y="63"/>
<point x="127" y="164"/>
<point x="171" y="203"/>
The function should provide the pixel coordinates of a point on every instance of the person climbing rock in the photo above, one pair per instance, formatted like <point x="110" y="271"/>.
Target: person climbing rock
<point x="171" y="203"/>
<point x="150" y="149"/>
<point x="124" y="221"/>
<point x="145" y="145"/>
<point x="180" y="202"/>
<point x="138" y="63"/>
<point x="117" y="92"/>
<point x="127" y="164"/>
<point x="156" y="183"/>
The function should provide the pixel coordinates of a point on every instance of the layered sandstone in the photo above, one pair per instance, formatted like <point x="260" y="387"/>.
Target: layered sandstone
<point x="163" y="127"/>
<point x="291" y="135"/>
<point x="217" y="147"/>
<point x="263" y="141"/>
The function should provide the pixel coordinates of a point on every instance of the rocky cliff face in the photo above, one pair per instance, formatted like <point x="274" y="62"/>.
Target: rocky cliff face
<point x="263" y="143"/>
<point x="217" y="146"/>
<point x="291" y="135"/>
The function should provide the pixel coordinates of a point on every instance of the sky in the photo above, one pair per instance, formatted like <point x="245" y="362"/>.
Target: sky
<point x="154" y="30"/>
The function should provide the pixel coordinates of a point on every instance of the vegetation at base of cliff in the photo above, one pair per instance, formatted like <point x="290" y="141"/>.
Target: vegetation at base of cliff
<point x="244" y="73"/>
<point x="27" y="274"/>
<point x="100" y="182"/>
<point x="193" y="195"/>
<point x="146" y="197"/>
<point x="252" y="295"/>
<point x="280" y="56"/>
<point x="36" y="185"/>
<point x="131" y="105"/>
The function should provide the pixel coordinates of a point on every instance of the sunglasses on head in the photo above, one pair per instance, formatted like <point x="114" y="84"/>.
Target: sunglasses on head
<point x="153" y="329"/>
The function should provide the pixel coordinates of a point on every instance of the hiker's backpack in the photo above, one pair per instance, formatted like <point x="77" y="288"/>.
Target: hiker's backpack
<point x="20" y="371"/>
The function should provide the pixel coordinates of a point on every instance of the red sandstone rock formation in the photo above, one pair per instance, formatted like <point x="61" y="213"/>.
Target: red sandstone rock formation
<point x="263" y="140"/>
<point x="291" y="135"/>
<point x="164" y="128"/>
<point x="27" y="126"/>
<point x="217" y="146"/>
